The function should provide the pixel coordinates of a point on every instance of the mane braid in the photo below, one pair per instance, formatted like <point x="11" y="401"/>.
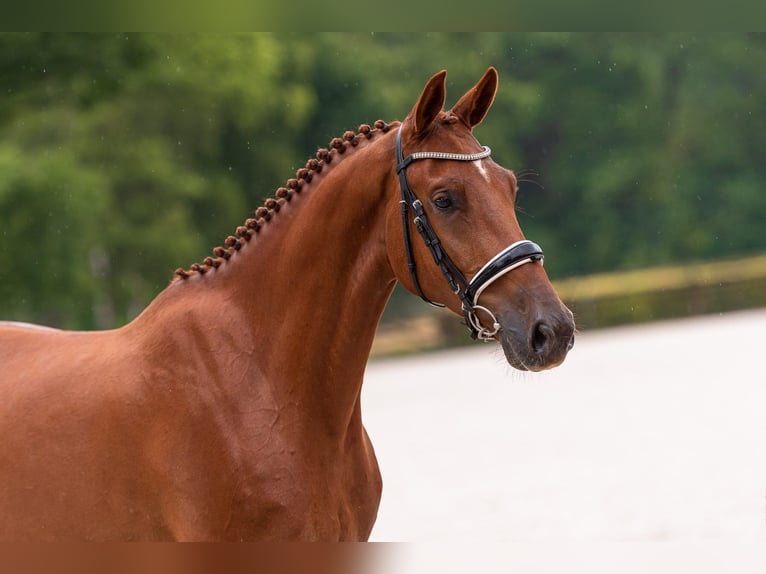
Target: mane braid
<point x="272" y="205"/>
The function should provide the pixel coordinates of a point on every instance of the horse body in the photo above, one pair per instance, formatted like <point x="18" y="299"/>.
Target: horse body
<point x="230" y="408"/>
<point x="157" y="450"/>
<point x="207" y="435"/>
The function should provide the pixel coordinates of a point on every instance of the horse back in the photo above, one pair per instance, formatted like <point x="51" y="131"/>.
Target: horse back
<point x="88" y="420"/>
<point x="108" y="436"/>
<point x="59" y="415"/>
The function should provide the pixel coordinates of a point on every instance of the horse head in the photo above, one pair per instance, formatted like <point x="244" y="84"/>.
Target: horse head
<point x="454" y="238"/>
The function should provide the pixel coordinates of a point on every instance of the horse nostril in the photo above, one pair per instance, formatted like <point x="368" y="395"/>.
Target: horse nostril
<point x="571" y="343"/>
<point x="540" y="337"/>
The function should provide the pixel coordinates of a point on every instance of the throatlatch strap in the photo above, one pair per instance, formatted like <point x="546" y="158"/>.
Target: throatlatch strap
<point x="408" y="199"/>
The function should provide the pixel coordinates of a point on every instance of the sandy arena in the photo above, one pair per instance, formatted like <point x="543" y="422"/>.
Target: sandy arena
<point x="653" y="433"/>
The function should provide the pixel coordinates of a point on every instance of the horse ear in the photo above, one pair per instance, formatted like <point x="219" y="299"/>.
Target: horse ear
<point x="475" y="104"/>
<point x="430" y="103"/>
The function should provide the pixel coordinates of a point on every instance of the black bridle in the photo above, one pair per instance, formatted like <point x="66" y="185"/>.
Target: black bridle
<point x="513" y="256"/>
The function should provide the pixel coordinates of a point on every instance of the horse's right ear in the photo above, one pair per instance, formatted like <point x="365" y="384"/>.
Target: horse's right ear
<point x="429" y="104"/>
<point x="475" y="104"/>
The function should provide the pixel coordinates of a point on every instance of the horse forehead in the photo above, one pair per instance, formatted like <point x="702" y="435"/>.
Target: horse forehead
<point x="480" y="173"/>
<point x="454" y="138"/>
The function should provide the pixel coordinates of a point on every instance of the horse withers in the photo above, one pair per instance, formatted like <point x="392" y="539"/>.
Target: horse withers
<point x="229" y="409"/>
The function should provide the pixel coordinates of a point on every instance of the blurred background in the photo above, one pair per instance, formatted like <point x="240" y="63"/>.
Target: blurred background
<point x="125" y="156"/>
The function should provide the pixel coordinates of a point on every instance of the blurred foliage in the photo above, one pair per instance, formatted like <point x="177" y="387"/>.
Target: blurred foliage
<point x="624" y="297"/>
<point x="124" y="156"/>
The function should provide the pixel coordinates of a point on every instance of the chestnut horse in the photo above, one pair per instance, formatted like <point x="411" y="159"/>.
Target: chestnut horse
<point x="229" y="409"/>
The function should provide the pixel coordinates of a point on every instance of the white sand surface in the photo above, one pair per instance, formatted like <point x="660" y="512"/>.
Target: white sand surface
<point x="651" y="434"/>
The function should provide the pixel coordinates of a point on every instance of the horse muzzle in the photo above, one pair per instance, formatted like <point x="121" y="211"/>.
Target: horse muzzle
<point x="540" y="344"/>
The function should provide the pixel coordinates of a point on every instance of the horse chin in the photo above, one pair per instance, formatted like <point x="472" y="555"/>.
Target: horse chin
<point x="512" y="351"/>
<point x="519" y="357"/>
<point x="513" y="357"/>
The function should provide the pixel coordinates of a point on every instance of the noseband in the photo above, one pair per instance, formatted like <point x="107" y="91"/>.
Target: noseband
<point x="513" y="256"/>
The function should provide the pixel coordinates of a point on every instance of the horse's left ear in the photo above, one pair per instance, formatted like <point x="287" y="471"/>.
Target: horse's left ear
<point x="475" y="104"/>
<point x="429" y="104"/>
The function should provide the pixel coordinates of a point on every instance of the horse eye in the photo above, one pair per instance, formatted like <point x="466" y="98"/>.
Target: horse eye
<point x="443" y="201"/>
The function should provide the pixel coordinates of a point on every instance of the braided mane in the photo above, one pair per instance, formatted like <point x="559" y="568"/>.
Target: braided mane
<point x="272" y="205"/>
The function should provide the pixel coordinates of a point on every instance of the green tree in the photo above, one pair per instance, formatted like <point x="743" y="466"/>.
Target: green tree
<point x="124" y="156"/>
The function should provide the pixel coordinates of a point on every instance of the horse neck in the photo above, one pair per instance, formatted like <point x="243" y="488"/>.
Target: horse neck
<point x="305" y="294"/>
